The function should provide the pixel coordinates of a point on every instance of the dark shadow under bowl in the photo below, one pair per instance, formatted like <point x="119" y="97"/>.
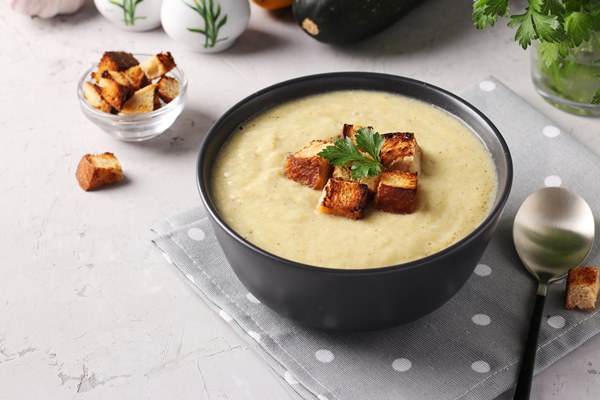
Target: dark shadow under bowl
<point x="354" y="300"/>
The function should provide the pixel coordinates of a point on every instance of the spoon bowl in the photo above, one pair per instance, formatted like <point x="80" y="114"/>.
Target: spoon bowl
<point x="553" y="232"/>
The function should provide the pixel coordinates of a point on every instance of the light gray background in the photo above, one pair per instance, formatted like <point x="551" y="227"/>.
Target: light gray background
<point x="86" y="304"/>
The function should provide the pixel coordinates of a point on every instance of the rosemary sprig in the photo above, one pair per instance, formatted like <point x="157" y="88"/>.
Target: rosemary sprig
<point x="129" y="8"/>
<point x="213" y="21"/>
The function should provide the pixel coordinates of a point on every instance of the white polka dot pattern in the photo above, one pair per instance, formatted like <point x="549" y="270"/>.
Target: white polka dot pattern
<point x="401" y="364"/>
<point x="553" y="181"/>
<point x="196" y="234"/>
<point x="325" y="356"/>
<point x="487" y="86"/>
<point x="551" y="131"/>
<point x="480" y="366"/>
<point x="481" y="319"/>
<point x="252" y="299"/>
<point x="557" y="322"/>
<point x="483" y="270"/>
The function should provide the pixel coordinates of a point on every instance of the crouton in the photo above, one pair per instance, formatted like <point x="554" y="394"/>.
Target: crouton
<point x="582" y="288"/>
<point x="137" y="78"/>
<point x="97" y="170"/>
<point x="114" y="61"/>
<point x="345" y="199"/>
<point x="397" y="192"/>
<point x="121" y="79"/>
<point x="167" y="88"/>
<point x="345" y="174"/>
<point x="141" y="101"/>
<point x="114" y="93"/>
<point x="92" y="94"/>
<point x="157" y="103"/>
<point x="400" y="151"/>
<point x="157" y="66"/>
<point x="350" y="131"/>
<point x="307" y="168"/>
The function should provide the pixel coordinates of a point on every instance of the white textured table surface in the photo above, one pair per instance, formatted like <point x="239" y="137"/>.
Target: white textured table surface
<point x="88" y="308"/>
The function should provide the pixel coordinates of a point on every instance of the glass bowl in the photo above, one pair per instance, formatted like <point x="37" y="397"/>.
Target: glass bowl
<point x="139" y="127"/>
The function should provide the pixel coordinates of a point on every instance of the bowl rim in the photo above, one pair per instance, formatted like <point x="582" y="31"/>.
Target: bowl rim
<point x="134" y="118"/>
<point x="483" y="225"/>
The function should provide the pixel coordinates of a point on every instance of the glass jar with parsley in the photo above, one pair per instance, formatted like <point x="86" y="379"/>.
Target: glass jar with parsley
<point x="570" y="82"/>
<point x="566" y="57"/>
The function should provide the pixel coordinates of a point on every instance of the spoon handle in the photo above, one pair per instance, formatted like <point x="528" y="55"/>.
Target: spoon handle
<point x="528" y="362"/>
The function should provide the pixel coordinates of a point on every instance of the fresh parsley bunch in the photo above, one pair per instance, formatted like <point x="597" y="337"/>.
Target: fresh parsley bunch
<point x="344" y="151"/>
<point x="559" y="25"/>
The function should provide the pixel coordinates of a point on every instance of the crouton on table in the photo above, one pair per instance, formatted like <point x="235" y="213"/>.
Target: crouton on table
<point x="582" y="288"/>
<point x="345" y="199"/>
<point x="307" y="168"/>
<point x="397" y="192"/>
<point x="97" y="170"/>
<point x="400" y="151"/>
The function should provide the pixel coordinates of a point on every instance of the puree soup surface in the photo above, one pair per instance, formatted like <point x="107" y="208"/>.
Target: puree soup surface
<point x="456" y="187"/>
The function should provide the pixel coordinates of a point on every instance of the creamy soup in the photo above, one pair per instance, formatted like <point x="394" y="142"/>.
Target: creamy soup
<point x="456" y="186"/>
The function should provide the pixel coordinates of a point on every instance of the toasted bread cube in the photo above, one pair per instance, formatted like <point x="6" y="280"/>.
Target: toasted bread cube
<point x="397" y="192"/>
<point x="157" y="66"/>
<point x="167" y="88"/>
<point x="137" y="78"/>
<point x="582" y="288"/>
<point x="114" y="61"/>
<point x="114" y="93"/>
<point x="92" y="94"/>
<point x="142" y="101"/>
<point x="307" y="168"/>
<point x="401" y="151"/>
<point x="350" y="131"/>
<point x="344" y="173"/>
<point x="121" y="79"/>
<point x="97" y="170"/>
<point x="345" y="199"/>
<point x="157" y="103"/>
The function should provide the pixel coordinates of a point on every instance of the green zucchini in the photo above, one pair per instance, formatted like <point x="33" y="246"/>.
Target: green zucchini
<point x="348" y="21"/>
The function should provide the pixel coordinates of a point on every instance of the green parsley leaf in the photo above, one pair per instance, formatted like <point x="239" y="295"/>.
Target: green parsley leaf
<point x="369" y="141"/>
<point x="578" y="26"/>
<point x="596" y="98"/>
<point x="551" y="53"/>
<point x="480" y="18"/>
<point x="344" y="151"/>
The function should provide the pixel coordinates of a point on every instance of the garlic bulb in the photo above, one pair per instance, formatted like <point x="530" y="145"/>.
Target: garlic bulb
<point x="45" y="8"/>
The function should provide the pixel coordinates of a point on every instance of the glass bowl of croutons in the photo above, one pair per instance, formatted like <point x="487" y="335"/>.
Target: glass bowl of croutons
<point x="133" y="97"/>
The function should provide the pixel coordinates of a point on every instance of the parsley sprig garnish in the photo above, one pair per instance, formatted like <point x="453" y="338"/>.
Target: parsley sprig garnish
<point x="344" y="151"/>
<point x="559" y="25"/>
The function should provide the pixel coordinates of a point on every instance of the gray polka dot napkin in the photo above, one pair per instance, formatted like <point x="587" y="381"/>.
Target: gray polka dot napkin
<point x="468" y="349"/>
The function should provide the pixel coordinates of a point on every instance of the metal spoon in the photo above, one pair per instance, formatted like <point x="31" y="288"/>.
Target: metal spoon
<point x="553" y="232"/>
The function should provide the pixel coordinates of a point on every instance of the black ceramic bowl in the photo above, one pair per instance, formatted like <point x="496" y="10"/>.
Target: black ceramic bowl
<point x="353" y="300"/>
